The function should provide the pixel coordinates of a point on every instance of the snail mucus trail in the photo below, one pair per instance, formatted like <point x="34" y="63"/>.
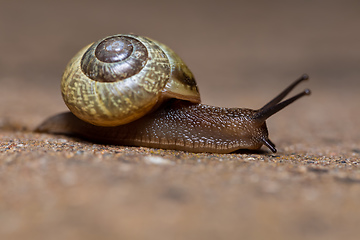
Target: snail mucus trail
<point x="173" y="118"/>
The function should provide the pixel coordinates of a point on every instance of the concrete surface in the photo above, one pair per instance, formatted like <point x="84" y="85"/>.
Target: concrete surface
<point x="242" y="54"/>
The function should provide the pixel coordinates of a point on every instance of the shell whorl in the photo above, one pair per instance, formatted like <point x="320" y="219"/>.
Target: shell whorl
<point x="130" y="66"/>
<point x="114" y="58"/>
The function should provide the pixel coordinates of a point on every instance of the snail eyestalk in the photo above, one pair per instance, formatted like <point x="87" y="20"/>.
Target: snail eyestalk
<point x="275" y="105"/>
<point x="284" y="93"/>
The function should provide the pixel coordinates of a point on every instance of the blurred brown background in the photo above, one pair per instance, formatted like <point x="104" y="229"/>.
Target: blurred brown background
<point x="242" y="53"/>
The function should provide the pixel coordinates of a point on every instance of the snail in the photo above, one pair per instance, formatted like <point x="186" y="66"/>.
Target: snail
<point x="131" y="90"/>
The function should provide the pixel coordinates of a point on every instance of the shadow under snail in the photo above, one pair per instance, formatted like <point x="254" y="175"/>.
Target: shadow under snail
<point x="132" y="90"/>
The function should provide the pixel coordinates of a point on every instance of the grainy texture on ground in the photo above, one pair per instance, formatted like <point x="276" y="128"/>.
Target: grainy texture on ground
<point x="243" y="54"/>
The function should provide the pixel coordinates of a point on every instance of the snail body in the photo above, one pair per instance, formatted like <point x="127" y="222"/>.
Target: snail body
<point x="159" y="105"/>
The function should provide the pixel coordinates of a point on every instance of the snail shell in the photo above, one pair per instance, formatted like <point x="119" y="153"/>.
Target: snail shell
<point x="123" y="77"/>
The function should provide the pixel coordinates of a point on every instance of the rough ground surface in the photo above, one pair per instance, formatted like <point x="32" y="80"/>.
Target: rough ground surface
<point x="57" y="187"/>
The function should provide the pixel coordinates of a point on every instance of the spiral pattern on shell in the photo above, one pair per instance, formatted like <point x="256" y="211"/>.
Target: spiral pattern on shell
<point x="129" y="66"/>
<point x="113" y="59"/>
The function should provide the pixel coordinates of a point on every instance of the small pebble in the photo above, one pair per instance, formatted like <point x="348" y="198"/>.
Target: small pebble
<point x="157" y="160"/>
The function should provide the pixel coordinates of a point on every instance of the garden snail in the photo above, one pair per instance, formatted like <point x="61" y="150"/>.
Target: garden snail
<point x="160" y="105"/>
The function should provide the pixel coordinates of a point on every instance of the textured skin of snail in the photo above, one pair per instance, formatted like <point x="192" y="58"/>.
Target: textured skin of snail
<point x="159" y="105"/>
